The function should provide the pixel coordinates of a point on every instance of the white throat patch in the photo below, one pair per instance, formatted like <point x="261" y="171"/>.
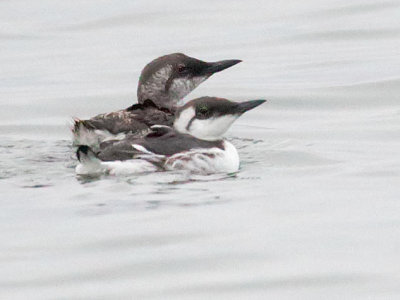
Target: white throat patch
<point x="208" y="129"/>
<point x="211" y="129"/>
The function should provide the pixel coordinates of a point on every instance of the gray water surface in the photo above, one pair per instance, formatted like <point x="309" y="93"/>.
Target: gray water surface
<point x="314" y="211"/>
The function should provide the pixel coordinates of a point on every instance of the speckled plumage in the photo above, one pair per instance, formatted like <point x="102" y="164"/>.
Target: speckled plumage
<point x="163" y="83"/>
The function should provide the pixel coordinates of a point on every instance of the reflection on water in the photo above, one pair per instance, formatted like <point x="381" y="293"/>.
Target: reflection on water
<point x="313" y="212"/>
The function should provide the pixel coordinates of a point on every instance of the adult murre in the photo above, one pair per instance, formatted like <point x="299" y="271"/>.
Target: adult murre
<point x="163" y="83"/>
<point x="194" y="143"/>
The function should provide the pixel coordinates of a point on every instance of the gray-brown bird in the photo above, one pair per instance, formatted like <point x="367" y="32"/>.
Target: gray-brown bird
<point x="163" y="83"/>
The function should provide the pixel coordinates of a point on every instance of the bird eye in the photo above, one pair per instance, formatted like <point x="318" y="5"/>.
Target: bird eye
<point x="181" y="68"/>
<point x="202" y="110"/>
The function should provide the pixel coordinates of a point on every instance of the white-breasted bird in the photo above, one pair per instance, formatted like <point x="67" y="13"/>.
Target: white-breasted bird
<point x="194" y="143"/>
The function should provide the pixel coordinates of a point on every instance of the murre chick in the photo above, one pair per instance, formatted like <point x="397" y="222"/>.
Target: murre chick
<point x="194" y="143"/>
<point x="163" y="83"/>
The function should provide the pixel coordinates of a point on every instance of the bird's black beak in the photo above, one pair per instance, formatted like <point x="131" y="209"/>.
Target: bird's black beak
<point x="248" y="105"/>
<point x="218" y="66"/>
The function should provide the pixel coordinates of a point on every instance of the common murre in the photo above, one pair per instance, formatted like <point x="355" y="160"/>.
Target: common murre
<point x="163" y="83"/>
<point x="194" y="143"/>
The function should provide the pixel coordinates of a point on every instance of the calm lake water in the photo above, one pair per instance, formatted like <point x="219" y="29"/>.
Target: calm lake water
<point x="314" y="211"/>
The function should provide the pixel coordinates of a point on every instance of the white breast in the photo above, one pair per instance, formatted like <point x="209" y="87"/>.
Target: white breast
<point x="200" y="161"/>
<point x="206" y="161"/>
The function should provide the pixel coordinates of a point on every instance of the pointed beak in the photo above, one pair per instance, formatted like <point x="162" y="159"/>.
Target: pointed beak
<point x="248" y="105"/>
<point x="218" y="66"/>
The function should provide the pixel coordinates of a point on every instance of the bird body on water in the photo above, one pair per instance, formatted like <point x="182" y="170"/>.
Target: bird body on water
<point x="195" y="143"/>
